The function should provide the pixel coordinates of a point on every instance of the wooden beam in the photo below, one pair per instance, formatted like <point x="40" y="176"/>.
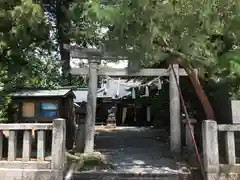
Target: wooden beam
<point x="123" y="72"/>
<point x="86" y="53"/>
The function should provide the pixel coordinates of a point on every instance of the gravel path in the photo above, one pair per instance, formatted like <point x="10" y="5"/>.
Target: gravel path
<point x="136" y="150"/>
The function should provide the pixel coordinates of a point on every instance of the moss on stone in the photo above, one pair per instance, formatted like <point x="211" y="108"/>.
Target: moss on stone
<point x="88" y="161"/>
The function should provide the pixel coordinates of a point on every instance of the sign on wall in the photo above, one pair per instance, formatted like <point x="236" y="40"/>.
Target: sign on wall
<point x="48" y="110"/>
<point x="28" y="110"/>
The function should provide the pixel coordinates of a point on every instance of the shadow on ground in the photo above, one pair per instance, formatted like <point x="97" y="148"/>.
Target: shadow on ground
<point x="137" y="150"/>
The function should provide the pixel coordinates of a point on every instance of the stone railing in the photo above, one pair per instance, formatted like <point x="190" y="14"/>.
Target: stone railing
<point x="214" y="170"/>
<point x="38" y="168"/>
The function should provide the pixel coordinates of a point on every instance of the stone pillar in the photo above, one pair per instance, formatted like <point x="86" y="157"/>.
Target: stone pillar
<point x="58" y="144"/>
<point x="175" y="124"/>
<point x="91" y="106"/>
<point x="188" y="138"/>
<point x="210" y="149"/>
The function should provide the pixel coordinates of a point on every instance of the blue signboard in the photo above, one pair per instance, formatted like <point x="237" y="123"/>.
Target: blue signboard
<point x="48" y="114"/>
<point x="48" y="106"/>
<point x="48" y="110"/>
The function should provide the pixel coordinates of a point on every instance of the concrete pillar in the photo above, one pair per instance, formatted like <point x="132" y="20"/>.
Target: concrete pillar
<point x="175" y="124"/>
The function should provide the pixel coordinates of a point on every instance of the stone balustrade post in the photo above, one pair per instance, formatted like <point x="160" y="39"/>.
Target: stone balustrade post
<point x="210" y="149"/>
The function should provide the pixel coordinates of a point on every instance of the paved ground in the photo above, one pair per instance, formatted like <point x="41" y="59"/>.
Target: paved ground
<point x="137" y="150"/>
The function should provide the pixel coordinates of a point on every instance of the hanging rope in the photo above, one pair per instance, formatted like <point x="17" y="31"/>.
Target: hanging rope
<point x="156" y="80"/>
<point x="189" y="125"/>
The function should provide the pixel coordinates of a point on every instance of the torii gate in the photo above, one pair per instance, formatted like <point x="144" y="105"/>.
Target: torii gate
<point x="93" y="71"/>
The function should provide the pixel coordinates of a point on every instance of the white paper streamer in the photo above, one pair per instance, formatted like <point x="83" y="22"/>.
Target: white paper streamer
<point x="102" y="83"/>
<point x="159" y="84"/>
<point x="118" y="87"/>
<point x="133" y="93"/>
<point x="106" y="86"/>
<point x="146" y="91"/>
<point x="140" y="85"/>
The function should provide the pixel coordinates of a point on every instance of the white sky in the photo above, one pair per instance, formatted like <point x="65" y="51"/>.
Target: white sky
<point x="119" y="65"/>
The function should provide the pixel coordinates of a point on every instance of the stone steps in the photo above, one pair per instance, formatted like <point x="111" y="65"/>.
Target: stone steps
<point x="130" y="176"/>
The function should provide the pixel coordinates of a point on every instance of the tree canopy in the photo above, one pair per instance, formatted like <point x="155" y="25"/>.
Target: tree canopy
<point x="203" y="33"/>
<point x="195" y="33"/>
<point x="199" y="31"/>
<point x="25" y="45"/>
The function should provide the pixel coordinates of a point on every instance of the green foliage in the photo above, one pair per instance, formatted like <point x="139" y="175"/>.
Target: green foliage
<point x="155" y="29"/>
<point x="26" y="58"/>
<point x="86" y="27"/>
<point x="204" y="33"/>
<point x="23" y="41"/>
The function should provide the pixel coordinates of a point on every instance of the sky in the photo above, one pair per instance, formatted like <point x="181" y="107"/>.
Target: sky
<point x="119" y="65"/>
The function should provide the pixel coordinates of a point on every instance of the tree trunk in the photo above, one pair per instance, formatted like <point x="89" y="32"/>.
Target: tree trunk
<point x="201" y="95"/>
<point x="63" y="29"/>
<point x="199" y="89"/>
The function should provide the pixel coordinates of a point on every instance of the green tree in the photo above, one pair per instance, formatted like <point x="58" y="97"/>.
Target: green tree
<point x="59" y="13"/>
<point x="23" y="38"/>
<point x="194" y="33"/>
<point x="25" y="47"/>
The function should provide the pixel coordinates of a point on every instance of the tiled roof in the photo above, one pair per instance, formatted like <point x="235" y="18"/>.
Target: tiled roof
<point x="41" y="93"/>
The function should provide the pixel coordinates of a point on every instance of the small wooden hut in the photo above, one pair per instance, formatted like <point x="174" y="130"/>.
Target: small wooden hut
<point x="42" y="106"/>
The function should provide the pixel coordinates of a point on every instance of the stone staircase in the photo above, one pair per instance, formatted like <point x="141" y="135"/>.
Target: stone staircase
<point x="131" y="176"/>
